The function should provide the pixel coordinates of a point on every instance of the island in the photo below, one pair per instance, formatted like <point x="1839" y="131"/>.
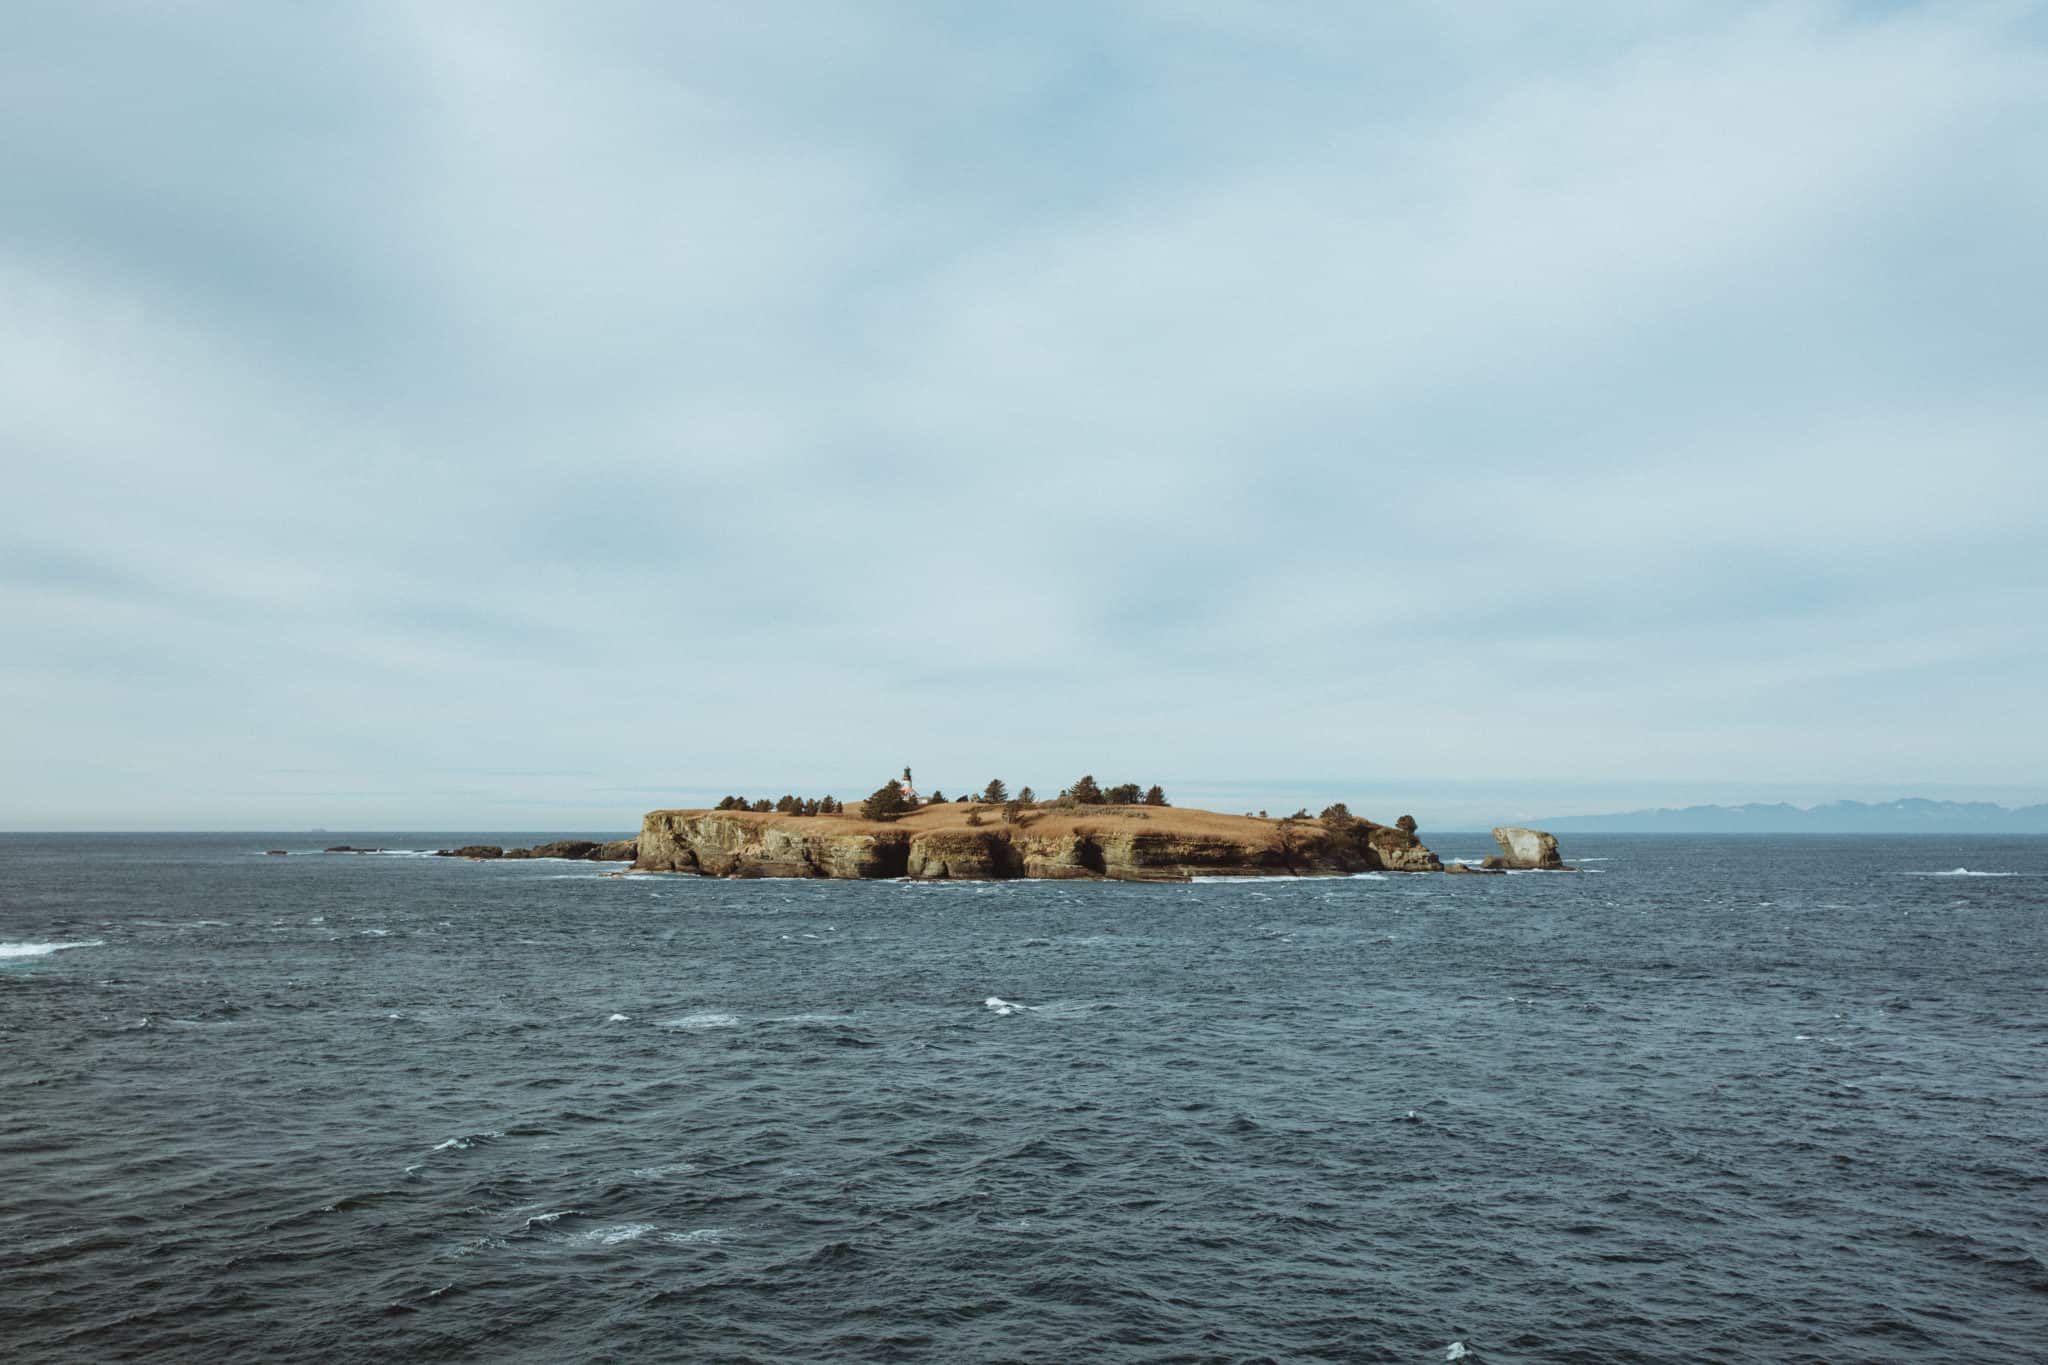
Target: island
<point x="973" y="841"/>
<point x="1088" y="832"/>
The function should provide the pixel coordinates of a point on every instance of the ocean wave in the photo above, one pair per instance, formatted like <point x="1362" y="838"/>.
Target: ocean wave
<point x="664" y="1172"/>
<point x="699" y="1021"/>
<point x="466" y="1141"/>
<point x="999" y="1006"/>
<point x="8" y="950"/>
<point x="620" y="1234"/>
<point x="1965" y="872"/>
<point x="695" y="1236"/>
<point x="547" y="1219"/>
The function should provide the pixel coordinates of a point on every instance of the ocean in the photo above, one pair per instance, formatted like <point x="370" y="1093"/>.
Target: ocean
<point x="1711" y="1099"/>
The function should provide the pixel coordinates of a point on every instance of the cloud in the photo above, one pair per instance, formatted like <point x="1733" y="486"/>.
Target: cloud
<point x="693" y="398"/>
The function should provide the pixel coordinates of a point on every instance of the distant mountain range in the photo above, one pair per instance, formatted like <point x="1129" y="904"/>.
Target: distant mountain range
<point x="1913" y="815"/>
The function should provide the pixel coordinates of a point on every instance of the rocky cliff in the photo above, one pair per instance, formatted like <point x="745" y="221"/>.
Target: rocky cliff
<point x="939" y="844"/>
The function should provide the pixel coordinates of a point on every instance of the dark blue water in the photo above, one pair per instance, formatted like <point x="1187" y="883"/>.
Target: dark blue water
<point x="1718" y="1100"/>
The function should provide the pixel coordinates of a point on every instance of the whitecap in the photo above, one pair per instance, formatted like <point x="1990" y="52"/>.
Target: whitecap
<point x="700" y="1021"/>
<point x="466" y="1141"/>
<point x="544" y="1219"/>
<point x="997" y="1005"/>
<point x="44" y="949"/>
<point x="373" y="933"/>
<point x="1455" y="1351"/>
<point x="663" y="1172"/>
<point x="612" y="1236"/>
<point x="695" y="1236"/>
<point x="616" y="1019"/>
<point x="1964" y="872"/>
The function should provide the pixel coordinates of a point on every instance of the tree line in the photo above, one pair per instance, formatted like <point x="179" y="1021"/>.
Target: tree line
<point x="889" y="801"/>
<point x="787" y="805"/>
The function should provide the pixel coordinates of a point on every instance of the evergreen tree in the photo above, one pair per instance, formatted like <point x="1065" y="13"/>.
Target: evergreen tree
<point x="764" y="805"/>
<point x="1337" y="812"/>
<point x="812" y="806"/>
<point x="789" y="805"/>
<point x="936" y="799"/>
<point x="1155" y="795"/>
<point x="1027" y="796"/>
<point x="1086" y="792"/>
<point x="961" y="799"/>
<point x="886" y="803"/>
<point x="1123" y="794"/>
<point x="995" y="793"/>
<point x="1011" y="810"/>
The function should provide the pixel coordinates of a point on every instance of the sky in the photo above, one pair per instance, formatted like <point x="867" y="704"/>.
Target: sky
<point x="512" y="416"/>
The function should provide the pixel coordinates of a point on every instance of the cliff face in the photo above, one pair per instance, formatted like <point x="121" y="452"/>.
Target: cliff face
<point x="935" y="844"/>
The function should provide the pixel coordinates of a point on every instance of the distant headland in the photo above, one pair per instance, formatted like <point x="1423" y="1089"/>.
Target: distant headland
<point x="1911" y="815"/>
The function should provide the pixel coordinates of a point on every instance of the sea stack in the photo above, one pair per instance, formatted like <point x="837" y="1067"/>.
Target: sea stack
<point x="1526" y="850"/>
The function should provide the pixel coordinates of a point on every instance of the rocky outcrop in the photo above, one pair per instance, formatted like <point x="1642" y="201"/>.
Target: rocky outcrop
<point x="564" y="848"/>
<point x="1111" y="847"/>
<point x="1527" y="849"/>
<point x="578" y="850"/>
<point x="1396" y="850"/>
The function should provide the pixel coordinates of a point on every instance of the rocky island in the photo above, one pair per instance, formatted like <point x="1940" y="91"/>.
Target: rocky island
<point x="962" y="841"/>
<point x="1089" y="832"/>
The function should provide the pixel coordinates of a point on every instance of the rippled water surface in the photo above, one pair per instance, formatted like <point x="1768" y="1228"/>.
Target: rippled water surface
<point x="1711" y="1100"/>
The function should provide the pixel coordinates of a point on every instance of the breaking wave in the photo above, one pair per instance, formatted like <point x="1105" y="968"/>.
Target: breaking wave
<point x="700" y="1021"/>
<point x="8" y="950"/>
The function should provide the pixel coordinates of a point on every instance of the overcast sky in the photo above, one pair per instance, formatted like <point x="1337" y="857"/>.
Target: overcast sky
<point x="513" y="416"/>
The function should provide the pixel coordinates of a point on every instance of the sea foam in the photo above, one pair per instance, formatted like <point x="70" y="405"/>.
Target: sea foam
<point x="43" y="949"/>
<point x="700" y="1021"/>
